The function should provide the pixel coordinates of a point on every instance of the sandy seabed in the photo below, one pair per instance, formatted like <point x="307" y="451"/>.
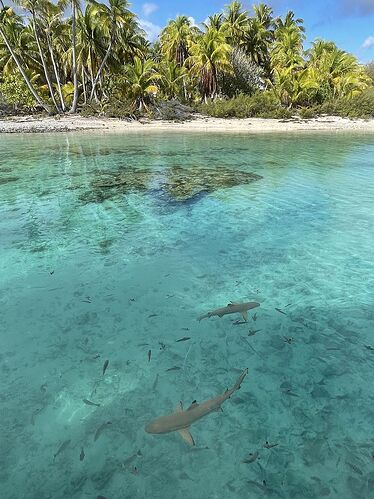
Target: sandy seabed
<point x="32" y="124"/>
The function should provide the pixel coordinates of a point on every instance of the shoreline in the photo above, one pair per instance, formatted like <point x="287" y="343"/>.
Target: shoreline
<point x="32" y="124"/>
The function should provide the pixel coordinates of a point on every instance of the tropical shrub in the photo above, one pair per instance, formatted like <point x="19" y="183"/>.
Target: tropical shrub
<point x="15" y="92"/>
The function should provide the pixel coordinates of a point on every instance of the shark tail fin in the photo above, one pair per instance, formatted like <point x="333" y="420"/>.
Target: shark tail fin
<point x="187" y="437"/>
<point x="240" y="380"/>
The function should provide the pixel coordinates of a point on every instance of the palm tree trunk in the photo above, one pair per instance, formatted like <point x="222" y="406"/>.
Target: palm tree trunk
<point x="84" y="86"/>
<point x="43" y="62"/>
<point x="56" y="72"/>
<point x="74" y="53"/>
<point x="24" y="75"/>
<point x="101" y="69"/>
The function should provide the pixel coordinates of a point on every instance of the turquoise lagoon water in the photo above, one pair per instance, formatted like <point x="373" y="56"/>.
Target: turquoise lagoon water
<point x="90" y="274"/>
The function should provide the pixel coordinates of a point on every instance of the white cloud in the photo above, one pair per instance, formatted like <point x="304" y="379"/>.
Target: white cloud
<point x="149" y="8"/>
<point x="369" y="42"/>
<point x="192" y="21"/>
<point x="152" y="30"/>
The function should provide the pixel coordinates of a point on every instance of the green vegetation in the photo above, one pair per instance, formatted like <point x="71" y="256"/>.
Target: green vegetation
<point x="94" y="58"/>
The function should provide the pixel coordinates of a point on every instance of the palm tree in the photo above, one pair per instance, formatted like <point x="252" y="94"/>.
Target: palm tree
<point x="111" y="19"/>
<point x="215" y="21"/>
<point x="140" y="79"/>
<point x="171" y="77"/>
<point x="50" y="19"/>
<point x="338" y="73"/>
<point x="176" y="39"/>
<point x="7" y="20"/>
<point x="209" y="55"/>
<point x="236" y="24"/>
<point x="33" y="7"/>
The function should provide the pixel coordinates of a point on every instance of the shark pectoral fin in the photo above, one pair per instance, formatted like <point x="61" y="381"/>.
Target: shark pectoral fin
<point x="186" y="435"/>
<point x="193" y="405"/>
<point x="245" y="315"/>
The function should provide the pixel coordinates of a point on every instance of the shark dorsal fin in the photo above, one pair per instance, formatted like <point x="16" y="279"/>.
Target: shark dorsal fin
<point x="193" y="405"/>
<point x="186" y="435"/>
<point x="179" y="407"/>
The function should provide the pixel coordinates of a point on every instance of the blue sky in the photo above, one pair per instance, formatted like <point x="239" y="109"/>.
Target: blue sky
<point x="349" y="23"/>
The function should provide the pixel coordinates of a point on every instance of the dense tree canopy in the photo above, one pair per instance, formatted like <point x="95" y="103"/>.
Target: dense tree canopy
<point x="62" y="56"/>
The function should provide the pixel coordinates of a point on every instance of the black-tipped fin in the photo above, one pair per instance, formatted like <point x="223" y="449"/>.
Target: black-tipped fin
<point x="193" y="405"/>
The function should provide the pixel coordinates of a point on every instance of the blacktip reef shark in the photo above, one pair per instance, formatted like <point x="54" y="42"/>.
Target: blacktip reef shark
<point x="231" y="308"/>
<point x="181" y="420"/>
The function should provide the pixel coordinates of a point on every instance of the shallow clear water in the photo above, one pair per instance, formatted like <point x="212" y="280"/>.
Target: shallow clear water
<point x="85" y="278"/>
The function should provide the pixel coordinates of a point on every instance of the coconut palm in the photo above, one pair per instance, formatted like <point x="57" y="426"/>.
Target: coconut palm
<point x="210" y="53"/>
<point x="176" y="39"/>
<point x="110" y="19"/>
<point x="141" y="80"/>
<point x="338" y="73"/>
<point x="9" y="21"/>
<point x="51" y="24"/>
<point x="33" y="8"/>
<point x="171" y="78"/>
<point x="236" y="24"/>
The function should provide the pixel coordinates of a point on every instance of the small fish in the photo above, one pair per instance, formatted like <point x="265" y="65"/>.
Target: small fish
<point x="252" y="332"/>
<point x="81" y="455"/>
<point x="130" y="459"/>
<point x="287" y="340"/>
<point x="100" y="430"/>
<point x="35" y="413"/>
<point x="288" y="304"/>
<point x="155" y="383"/>
<point x="87" y="300"/>
<point x="238" y="322"/>
<point x="62" y="448"/>
<point x="52" y="272"/>
<point x="185" y="338"/>
<point x="255" y="317"/>
<point x="88" y="402"/>
<point x="149" y="355"/>
<point x="369" y="347"/>
<point x="105" y="366"/>
<point x="134" y="471"/>
<point x="280" y="311"/>
<point x="162" y="346"/>
<point x="268" y="445"/>
<point x="132" y="299"/>
<point x="185" y="328"/>
<point x="97" y="356"/>
<point x="175" y="368"/>
<point x="252" y="456"/>
<point x="290" y="393"/>
<point x="170" y="296"/>
<point x="152" y="315"/>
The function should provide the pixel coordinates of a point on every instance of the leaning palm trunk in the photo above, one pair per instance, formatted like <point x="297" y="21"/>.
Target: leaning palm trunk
<point x="74" y="54"/>
<point x="24" y="75"/>
<point x="57" y="76"/>
<point x="101" y="69"/>
<point x="43" y="62"/>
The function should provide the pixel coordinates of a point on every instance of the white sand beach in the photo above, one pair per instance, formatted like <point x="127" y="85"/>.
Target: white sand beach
<point x="32" y="124"/>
